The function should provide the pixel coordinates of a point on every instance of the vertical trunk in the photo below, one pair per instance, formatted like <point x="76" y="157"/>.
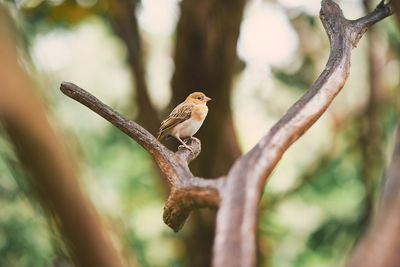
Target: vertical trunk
<point x="372" y="149"/>
<point x="126" y="26"/>
<point x="205" y="60"/>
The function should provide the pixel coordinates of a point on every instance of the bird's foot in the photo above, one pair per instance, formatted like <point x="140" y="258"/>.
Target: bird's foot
<point x="186" y="146"/>
<point x="192" y="138"/>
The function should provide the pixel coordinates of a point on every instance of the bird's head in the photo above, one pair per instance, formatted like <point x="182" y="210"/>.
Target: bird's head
<point x="198" y="98"/>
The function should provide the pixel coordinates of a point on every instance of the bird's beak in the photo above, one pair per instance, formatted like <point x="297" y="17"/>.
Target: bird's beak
<point x="207" y="99"/>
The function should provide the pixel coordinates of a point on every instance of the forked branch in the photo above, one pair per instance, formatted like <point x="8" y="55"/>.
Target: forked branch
<point x="238" y="195"/>
<point x="237" y="216"/>
<point x="187" y="192"/>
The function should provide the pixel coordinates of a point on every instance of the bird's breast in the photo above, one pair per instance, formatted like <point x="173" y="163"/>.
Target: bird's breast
<point x="192" y="125"/>
<point x="187" y="128"/>
<point x="199" y="112"/>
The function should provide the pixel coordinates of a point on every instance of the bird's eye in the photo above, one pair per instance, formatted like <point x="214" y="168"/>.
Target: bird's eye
<point x="199" y="97"/>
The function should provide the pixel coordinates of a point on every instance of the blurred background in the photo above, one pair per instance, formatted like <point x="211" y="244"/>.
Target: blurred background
<point x="254" y="58"/>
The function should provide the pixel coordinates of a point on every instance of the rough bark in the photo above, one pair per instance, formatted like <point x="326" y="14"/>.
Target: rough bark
<point x="246" y="179"/>
<point x="52" y="171"/>
<point x="238" y="194"/>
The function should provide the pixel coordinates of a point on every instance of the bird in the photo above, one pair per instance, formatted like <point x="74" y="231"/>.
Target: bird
<point x="185" y="119"/>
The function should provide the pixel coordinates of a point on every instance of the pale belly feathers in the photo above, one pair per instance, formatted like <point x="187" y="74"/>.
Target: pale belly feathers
<point x="187" y="128"/>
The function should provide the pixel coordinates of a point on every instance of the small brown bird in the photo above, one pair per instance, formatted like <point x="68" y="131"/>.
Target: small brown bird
<point x="186" y="119"/>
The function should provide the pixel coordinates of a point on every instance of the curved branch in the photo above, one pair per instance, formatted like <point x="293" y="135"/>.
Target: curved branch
<point x="237" y="216"/>
<point x="361" y="25"/>
<point x="238" y="194"/>
<point x="187" y="191"/>
<point x="132" y="129"/>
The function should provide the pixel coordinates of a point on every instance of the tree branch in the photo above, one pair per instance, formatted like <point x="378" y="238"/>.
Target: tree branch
<point x="132" y="129"/>
<point x="238" y="195"/>
<point x="362" y="24"/>
<point x="187" y="191"/>
<point x="237" y="216"/>
<point x="199" y="193"/>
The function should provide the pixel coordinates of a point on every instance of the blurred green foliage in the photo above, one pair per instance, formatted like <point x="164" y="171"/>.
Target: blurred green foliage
<point x="25" y="235"/>
<point x="316" y="224"/>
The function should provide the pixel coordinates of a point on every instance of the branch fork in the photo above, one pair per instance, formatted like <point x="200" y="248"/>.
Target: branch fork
<point x="237" y="195"/>
<point x="187" y="192"/>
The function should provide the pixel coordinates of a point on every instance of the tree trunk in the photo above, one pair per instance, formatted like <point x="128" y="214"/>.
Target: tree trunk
<point x="370" y="132"/>
<point x="125" y="24"/>
<point x="205" y="60"/>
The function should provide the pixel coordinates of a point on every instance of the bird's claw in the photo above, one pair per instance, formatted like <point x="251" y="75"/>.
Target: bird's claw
<point x="186" y="146"/>
<point x="192" y="138"/>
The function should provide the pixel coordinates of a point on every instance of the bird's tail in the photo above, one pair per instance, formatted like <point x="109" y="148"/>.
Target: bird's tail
<point x="160" y="136"/>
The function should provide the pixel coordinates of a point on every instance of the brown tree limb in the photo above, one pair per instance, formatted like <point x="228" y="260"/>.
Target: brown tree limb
<point x="238" y="194"/>
<point x="237" y="216"/>
<point x="187" y="192"/>
<point x="135" y="131"/>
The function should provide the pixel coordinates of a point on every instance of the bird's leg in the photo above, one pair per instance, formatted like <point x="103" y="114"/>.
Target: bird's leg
<point x="185" y="145"/>
<point x="192" y="138"/>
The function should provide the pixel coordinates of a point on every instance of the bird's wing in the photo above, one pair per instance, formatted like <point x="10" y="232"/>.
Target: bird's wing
<point x="181" y="113"/>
